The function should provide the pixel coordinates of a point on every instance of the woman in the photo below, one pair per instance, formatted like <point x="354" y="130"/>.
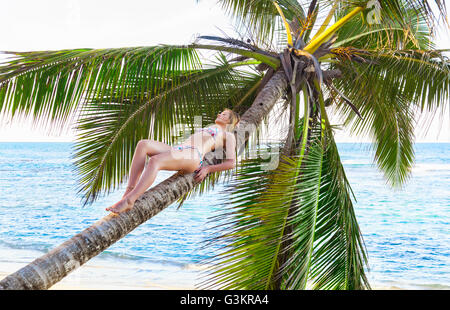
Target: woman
<point x="186" y="157"/>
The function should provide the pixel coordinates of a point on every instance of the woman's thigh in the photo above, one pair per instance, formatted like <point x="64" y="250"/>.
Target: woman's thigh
<point x="177" y="160"/>
<point x="153" y="147"/>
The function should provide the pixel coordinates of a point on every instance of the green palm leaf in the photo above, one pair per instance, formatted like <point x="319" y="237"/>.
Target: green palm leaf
<point x="250" y="229"/>
<point x="339" y="256"/>
<point x="50" y="84"/>
<point x="387" y="117"/>
<point x="303" y="218"/>
<point x="326" y="251"/>
<point x="259" y="18"/>
<point x="397" y="71"/>
<point x="421" y="77"/>
<point x="357" y="33"/>
<point x="288" y="227"/>
<point x="398" y="10"/>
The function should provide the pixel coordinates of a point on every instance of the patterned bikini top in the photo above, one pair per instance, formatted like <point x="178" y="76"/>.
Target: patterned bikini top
<point x="213" y="131"/>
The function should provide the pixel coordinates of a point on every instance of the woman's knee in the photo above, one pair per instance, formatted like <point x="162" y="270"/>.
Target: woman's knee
<point x="147" y="146"/>
<point x="154" y="161"/>
<point x="143" y="144"/>
<point x="152" y="147"/>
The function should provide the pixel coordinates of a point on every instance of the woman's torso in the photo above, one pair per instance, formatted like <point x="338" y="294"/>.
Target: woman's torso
<point x="207" y="139"/>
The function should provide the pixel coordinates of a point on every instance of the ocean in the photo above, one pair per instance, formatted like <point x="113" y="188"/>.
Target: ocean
<point x="406" y="231"/>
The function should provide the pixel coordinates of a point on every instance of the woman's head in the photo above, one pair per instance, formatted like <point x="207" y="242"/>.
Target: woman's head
<point x="229" y="118"/>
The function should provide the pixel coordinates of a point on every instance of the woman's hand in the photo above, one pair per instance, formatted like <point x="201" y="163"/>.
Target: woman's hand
<point x="201" y="173"/>
<point x="204" y="171"/>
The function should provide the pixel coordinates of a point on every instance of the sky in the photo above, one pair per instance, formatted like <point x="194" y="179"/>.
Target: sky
<point x="66" y="24"/>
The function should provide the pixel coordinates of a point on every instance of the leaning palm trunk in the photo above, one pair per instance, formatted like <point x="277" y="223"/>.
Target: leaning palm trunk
<point x="50" y="268"/>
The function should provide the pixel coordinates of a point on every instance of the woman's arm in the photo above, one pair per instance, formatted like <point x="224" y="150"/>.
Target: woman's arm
<point x="228" y="163"/>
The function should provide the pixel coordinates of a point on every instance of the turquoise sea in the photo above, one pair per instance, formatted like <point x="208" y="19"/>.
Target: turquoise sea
<point x="406" y="232"/>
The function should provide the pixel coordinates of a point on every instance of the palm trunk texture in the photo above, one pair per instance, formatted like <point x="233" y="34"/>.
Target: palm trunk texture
<point x="50" y="268"/>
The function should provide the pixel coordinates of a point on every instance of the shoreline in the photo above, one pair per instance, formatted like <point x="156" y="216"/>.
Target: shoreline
<point x="104" y="273"/>
<point x="73" y="283"/>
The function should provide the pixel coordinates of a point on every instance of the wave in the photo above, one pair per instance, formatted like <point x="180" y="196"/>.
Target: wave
<point x="141" y="259"/>
<point x="417" y="168"/>
<point x="41" y="246"/>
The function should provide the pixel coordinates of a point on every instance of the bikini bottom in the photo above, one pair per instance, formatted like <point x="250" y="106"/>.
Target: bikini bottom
<point x="182" y="147"/>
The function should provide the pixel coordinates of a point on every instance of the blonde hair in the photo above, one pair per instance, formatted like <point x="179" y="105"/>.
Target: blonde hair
<point x="234" y="120"/>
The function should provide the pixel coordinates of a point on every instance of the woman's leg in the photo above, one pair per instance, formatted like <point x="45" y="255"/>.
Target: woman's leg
<point x="173" y="160"/>
<point x="144" y="148"/>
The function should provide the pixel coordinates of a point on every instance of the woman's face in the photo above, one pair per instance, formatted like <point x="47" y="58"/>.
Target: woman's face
<point x="224" y="117"/>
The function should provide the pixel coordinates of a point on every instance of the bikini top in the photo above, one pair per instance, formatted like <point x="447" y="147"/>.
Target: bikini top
<point x="213" y="131"/>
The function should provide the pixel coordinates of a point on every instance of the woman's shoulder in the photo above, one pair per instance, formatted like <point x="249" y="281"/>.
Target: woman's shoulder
<point x="229" y="135"/>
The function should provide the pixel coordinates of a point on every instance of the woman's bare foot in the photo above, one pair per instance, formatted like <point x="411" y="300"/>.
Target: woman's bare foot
<point x="123" y="205"/>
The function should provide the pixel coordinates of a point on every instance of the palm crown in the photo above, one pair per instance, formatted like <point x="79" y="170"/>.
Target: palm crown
<point x="286" y="227"/>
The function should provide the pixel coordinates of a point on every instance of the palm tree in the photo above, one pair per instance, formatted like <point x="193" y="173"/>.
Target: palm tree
<point x="288" y="228"/>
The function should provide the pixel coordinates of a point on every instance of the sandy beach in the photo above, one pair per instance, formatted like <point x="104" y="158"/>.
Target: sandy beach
<point x="68" y="284"/>
<point x="86" y="279"/>
<point x="78" y="280"/>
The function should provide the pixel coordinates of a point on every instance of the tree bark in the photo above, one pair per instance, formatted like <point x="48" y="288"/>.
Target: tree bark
<point x="50" y="268"/>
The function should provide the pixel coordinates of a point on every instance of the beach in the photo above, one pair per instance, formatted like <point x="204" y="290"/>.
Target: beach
<point x="92" y="276"/>
<point x="87" y="278"/>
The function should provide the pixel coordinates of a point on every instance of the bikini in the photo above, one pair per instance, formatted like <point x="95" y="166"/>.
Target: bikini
<point x="213" y="131"/>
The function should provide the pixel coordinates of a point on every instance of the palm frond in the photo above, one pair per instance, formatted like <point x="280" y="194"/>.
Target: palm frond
<point x="236" y="42"/>
<point x="260" y="17"/>
<point x="322" y="217"/>
<point x="50" y="85"/>
<point x="310" y="20"/>
<point x="421" y="76"/>
<point x="386" y="116"/>
<point x="414" y="34"/>
<point x="339" y="257"/>
<point x="250" y="231"/>
<point x="327" y="250"/>
<point x="398" y="10"/>
<point x="303" y="218"/>
<point x="256" y="54"/>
